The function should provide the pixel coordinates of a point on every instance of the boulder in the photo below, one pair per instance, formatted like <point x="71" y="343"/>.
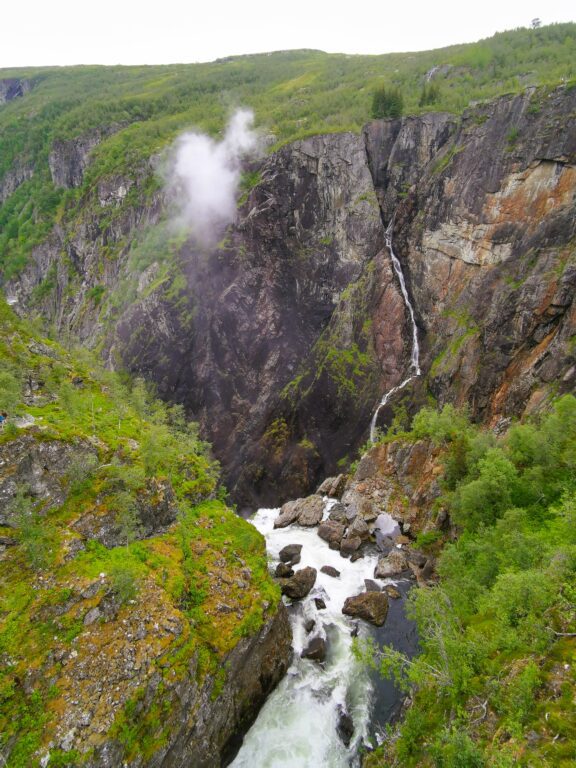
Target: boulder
<point x="283" y="571"/>
<point x="299" y="585"/>
<point x="338" y="513"/>
<point x="370" y="606"/>
<point x="392" y="592"/>
<point x="350" y="545"/>
<point x="320" y="604"/>
<point x="391" y="565"/>
<point x="371" y="586"/>
<point x="331" y="532"/>
<point x="345" y="727"/>
<point x="330" y="571"/>
<point x="358" y="555"/>
<point x="333" y="487"/>
<point x="311" y="511"/>
<point x="359" y="527"/>
<point x="315" y="650"/>
<point x="307" y="512"/>
<point x="288" y="514"/>
<point x="309" y="625"/>
<point x="291" y="553"/>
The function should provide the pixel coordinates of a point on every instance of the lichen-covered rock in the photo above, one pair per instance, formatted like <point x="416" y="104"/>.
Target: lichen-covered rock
<point x="370" y="606"/>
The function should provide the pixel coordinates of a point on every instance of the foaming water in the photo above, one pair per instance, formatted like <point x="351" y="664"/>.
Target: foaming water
<point x="415" y="355"/>
<point x="297" y="727"/>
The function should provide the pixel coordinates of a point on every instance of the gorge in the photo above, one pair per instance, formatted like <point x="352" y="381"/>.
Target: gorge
<point x="426" y="262"/>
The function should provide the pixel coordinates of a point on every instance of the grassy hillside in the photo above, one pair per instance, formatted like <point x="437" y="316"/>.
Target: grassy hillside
<point x="293" y="93"/>
<point x="88" y="549"/>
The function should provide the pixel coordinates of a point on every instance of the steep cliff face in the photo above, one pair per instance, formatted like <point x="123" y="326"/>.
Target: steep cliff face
<point x="269" y="345"/>
<point x="282" y="339"/>
<point x="487" y="240"/>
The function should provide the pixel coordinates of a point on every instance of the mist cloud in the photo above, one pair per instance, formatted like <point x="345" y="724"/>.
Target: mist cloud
<point x="203" y="176"/>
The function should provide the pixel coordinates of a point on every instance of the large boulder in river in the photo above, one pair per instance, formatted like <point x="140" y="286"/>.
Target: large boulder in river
<point x="290" y="554"/>
<point x="288" y="514"/>
<point x="307" y="512"/>
<point x="371" y="606"/>
<point x="315" y="650"/>
<point x="299" y="585"/>
<point x="311" y="510"/>
<point x="391" y="565"/>
<point x="332" y="532"/>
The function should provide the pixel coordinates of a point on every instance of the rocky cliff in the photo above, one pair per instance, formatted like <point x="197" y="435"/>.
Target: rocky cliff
<point x="282" y="339"/>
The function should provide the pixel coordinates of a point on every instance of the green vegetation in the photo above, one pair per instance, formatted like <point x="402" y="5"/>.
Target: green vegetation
<point x="117" y="458"/>
<point x="387" y="102"/>
<point x="138" y="111"/>
<point x="494" y="683"/>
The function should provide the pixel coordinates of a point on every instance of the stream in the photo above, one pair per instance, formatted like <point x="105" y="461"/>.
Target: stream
<point x="298" y="725"/>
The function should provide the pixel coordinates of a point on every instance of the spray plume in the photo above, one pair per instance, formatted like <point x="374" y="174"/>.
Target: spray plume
<point x="203" y="176"/>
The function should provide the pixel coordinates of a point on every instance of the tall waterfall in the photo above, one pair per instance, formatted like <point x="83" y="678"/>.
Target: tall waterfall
<point x="415" y="356"/>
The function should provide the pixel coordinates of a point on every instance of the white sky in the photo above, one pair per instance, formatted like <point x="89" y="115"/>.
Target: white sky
<point x="49" y="32"/>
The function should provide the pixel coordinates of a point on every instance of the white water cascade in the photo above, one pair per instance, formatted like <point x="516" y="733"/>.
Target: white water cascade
<point x="415" y="356"/>
<point x="297" y="727"/>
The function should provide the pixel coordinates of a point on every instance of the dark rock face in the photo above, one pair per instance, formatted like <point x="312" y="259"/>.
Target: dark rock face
<point x="277" y="365"/>
<point x="371" y="606"/>
<point x="69" y="159"/>
<point x="299" y="585"/>
<point x="13" y="88"/>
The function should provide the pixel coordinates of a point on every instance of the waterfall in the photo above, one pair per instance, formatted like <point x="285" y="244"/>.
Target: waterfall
<point x="415" y="356"/>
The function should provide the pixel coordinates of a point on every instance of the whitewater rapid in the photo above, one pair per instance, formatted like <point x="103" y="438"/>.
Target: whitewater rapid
<point x="415" y="355"/>
<point x="297" y="727"/>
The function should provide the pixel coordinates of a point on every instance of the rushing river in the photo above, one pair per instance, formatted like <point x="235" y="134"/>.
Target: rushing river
<point x="298" y="725"/>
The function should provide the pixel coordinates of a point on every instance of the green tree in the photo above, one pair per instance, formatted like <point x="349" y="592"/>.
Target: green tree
<point x="10" y="391"/>
<point x="35" y="534"/>
<point x="387" y="102"/>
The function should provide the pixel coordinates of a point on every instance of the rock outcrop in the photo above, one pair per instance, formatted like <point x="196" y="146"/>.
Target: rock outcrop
<point x="13" y="88"/>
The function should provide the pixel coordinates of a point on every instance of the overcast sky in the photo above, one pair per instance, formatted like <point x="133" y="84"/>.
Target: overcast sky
<point x="48" y="32"/>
